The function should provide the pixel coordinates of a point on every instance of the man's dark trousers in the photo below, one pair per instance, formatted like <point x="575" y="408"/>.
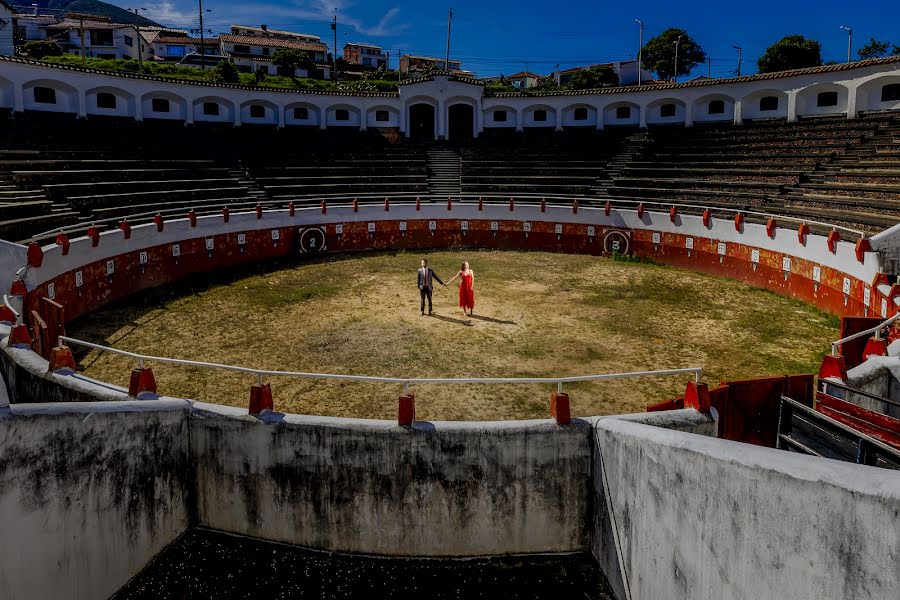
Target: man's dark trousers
<point x="426" y="293"/>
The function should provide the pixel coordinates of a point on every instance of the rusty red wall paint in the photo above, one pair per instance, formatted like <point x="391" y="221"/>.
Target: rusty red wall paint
<point x="162" y="267"/>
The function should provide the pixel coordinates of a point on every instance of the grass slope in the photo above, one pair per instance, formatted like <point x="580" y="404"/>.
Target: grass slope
<point x="536" y="314"/>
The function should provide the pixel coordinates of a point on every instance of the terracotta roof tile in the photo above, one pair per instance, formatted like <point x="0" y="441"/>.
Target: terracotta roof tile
<point x="271" y="42"/>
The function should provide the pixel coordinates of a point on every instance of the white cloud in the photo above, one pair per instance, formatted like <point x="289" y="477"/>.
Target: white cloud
<point x="184" y="15"/>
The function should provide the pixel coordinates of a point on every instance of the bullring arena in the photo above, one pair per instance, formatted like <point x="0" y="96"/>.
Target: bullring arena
<point x="679" y="380"/>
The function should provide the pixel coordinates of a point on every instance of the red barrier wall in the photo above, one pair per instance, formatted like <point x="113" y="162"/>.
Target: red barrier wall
<point x="748" y="409"/>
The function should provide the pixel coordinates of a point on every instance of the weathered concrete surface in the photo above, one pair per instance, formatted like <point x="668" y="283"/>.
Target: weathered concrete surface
<point x="701" y="518"/>
<point x="27" y="380"/>
<point x="89" y="493"/>
<point x="437" y="489"/>
<point x="879" y="375"/>
<point x="603" y="537"/>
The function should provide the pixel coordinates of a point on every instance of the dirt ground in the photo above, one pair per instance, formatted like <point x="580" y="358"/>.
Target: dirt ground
<point x="536" y="315"/>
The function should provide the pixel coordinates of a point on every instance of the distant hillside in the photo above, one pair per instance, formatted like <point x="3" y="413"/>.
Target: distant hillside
<point x="95" y="7"/>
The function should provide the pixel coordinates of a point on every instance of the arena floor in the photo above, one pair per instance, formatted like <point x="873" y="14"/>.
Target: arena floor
<point x="536" y="314"/>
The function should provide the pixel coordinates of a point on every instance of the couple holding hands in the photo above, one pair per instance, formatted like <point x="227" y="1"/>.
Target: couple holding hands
<point x="466" y="286"/>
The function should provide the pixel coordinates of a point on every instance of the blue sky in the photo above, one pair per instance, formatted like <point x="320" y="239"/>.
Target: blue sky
<point x="493" y="37"/>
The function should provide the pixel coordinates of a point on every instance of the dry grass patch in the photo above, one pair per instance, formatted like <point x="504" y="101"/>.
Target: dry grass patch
<point x="536" y="315"/>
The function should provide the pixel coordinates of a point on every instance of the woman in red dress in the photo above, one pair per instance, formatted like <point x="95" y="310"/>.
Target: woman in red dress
<point x="466" y="288"/>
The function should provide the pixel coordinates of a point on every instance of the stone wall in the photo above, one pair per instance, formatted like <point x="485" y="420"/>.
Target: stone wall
<point x="691" y="517"/>
<point x="89" y="493"/>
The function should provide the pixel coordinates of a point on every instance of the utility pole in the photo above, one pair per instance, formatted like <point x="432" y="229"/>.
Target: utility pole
<point x="708" y="67"/>
<point x="678" y="41"/>
<point x="738" y="48"/>
<point x="202" y="39"/>
<point x="334" y="55"/>
<point x="81" y="37"/>
<point x="139" y="40"/>
<point x="640" y="49"/>
<point x="849" y="31"/>
<point x="447" y="56"/>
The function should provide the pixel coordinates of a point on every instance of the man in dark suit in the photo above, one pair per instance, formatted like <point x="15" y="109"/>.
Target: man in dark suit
<point x="426" y="285"/>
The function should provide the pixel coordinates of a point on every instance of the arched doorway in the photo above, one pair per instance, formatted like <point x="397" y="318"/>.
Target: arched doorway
<point x="421" y="122"/>
<point x="462" y="122"/>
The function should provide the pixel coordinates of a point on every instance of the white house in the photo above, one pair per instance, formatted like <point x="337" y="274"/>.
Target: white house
<point x="523" y="79"/>
<point x="251" y="48"/>
<point x="99" y="37"/>
<point x="627" y="70"/>
<point x="7" y="29"/>
<point x="177" y="47"/>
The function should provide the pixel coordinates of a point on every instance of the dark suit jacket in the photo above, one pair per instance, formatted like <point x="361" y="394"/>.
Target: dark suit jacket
<point x="423" y="278"/>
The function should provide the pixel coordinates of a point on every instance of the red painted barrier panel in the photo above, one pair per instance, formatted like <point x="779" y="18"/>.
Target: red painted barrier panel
<point x="748" y="409"/>
<point x="852" y="351"/>
<point x="874" y="424"/>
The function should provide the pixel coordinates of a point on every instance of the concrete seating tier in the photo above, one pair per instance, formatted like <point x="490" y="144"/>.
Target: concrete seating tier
<point x="815" y="169"/>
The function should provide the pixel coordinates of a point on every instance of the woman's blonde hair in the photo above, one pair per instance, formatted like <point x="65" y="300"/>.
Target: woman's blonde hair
<point x="464" y="265"/>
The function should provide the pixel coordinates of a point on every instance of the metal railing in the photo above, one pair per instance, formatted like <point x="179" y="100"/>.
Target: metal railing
<point x="876" y="330"/>
<point x="404" y="381"/>
<point x="344" y="201"/>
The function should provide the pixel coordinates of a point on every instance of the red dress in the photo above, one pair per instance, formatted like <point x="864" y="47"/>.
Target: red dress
<point x="466" y="293"/>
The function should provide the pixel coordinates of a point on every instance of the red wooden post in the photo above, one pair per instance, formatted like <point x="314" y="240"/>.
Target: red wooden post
<point x="696" y="396"/>
<point x="226" y="214"/>
<point x="142" y="382"/>
<point x="292" y="210"/>
<point x="833" y="238"/>
<point x="63" y="241"/>
<point x="192" y="217"/>
<point x="260" y="398"/>
<point x="160" y="223"/>
<point x="94" y="234"/>
<point x="35" y="255"/>
<point x="802" y="232"/>
<point x="61" y="359"/>
<point x="406" y="409"/>
<point x="559" y="408"/>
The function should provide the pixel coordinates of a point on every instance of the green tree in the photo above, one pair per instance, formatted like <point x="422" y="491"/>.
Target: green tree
<point x="226" y="72"/>
<point x="659" y="53"/>
<point x="874" y="49"/>
<point x="289" y="60"/>
<point x="791" y="52"/>
<point x="595" y="77"/>
<point x="546" y="83"/>
<point x="40" y="49"/>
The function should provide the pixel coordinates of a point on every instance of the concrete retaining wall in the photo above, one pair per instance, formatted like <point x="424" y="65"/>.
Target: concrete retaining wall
<point x="879" y="375"/>
<point x="437" y="489"/>
<point x="89" y="493"/>
<point x="697" y="518"/>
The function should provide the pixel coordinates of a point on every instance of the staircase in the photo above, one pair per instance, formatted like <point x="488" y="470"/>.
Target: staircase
<point x="254" y="191"/>
<point x="634" y="146"/>
<point x="443" y="173"/>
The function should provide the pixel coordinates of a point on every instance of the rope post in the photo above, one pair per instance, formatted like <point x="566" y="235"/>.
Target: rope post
<point x="406" y="408"/>
<point x="260" y="397"/>
<point x="142" y="383"/>
<point x="559" y="407"/>
<point x="696" y="396"/>
<point x="61" y="359"/>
